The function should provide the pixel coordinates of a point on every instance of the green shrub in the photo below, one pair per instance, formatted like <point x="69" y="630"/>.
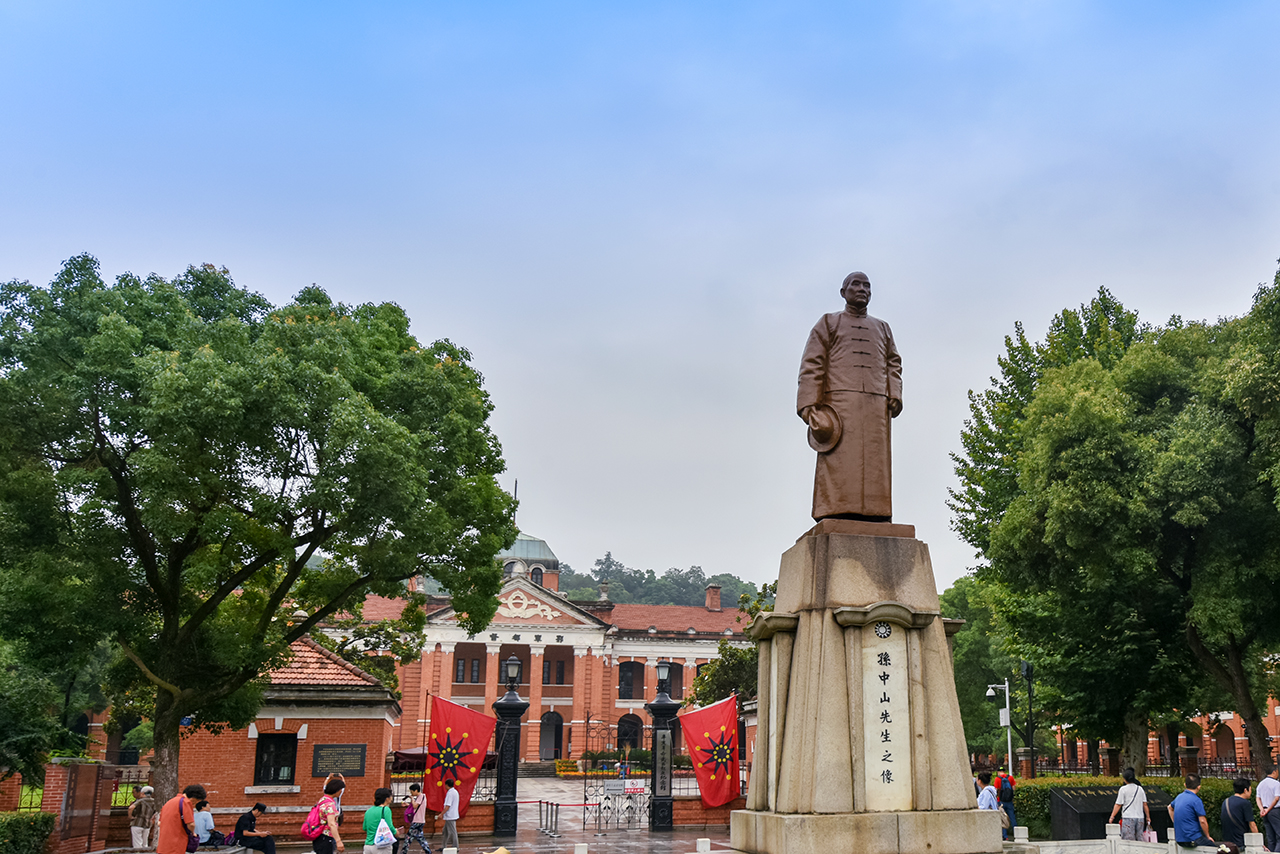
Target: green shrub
<point x="566" y="765"/>
<point x="25" y="832"/>
<point x="680" y="760"/>
<point x="1031" y="798"/>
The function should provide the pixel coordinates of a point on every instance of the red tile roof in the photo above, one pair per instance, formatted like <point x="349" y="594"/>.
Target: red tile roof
<point x="312" y="664"/>
<point x="675" y="618"/>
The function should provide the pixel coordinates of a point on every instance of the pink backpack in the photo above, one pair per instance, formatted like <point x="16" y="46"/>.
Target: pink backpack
<point x="314" y="824"/>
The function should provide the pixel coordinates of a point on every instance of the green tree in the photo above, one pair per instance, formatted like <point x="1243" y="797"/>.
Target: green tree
<point x="174" y="453"/>
<point x="977" y="662"/>
<point x="1143" y="475"/>
<point x="1079" y="628"/>
<point x="378" y="646"/>
<point x="28" y="730"/>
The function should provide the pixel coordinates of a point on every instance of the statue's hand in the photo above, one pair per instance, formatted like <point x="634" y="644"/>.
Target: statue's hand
<point x="895" y="407"/>
<point x="804" y="414"/>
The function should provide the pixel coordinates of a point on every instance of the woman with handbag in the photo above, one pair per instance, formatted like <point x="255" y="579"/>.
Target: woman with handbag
<point x="178" y="822"/>
<point x="379" y="825"/>
<point x="1131" y="803"/>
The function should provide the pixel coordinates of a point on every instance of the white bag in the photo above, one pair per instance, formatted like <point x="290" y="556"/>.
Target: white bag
<point x="384" y="837"/>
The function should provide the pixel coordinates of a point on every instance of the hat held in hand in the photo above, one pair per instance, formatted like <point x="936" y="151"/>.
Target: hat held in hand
<point x="824" y="428"/>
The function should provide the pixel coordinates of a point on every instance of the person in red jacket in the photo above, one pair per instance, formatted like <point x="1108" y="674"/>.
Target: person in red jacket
<point x="1004" y="784"/>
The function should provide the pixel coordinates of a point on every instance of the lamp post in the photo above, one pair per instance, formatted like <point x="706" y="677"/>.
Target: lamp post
<point x="509" y="709"/>
<point x="663" y="711"/>
<point x="1006" y="718"/>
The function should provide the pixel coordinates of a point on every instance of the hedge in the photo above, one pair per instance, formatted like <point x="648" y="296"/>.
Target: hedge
<point x="25" y="832"/>
<point x="1031" y="798"/>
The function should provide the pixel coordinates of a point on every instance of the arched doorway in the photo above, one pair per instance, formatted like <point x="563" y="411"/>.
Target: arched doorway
<point x="1224" y="744"/>
<point x="551" y="737"/>
<point x="630" y="730"/>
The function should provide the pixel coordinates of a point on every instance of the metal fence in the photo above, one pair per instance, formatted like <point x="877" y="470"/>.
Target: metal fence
<point x="1225" y="768"/>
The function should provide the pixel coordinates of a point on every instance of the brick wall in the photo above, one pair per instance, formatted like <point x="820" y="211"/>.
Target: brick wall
<point x="224" y="765"/>
<point x="689" y="812"/>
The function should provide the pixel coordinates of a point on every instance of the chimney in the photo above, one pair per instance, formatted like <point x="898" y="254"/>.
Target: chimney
<point x="713" y="597"/>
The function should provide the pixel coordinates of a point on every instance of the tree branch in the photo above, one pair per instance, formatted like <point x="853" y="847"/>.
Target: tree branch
<point x="146" y="671"/>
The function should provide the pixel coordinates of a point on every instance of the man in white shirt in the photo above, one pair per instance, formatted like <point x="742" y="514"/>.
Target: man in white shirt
<point x="450" y="815"/>
<point x="1268" y="794"/>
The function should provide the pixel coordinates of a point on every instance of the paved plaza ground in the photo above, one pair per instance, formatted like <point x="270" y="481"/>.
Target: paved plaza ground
<point x="529" y="839"/>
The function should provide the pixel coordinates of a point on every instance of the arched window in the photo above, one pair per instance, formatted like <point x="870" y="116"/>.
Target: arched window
<point x="630" y="730"/>
<point x="536" y="575"/>
<point x="630" y="680"/>
<point x="677" y="682"/>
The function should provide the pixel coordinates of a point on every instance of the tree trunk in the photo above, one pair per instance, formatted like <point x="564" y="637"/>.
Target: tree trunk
<point x="1133" y="750"/>
<point x="1231" y="677"/>
<point x="1092" y="747"/>
<point x="164" y="764"/>
<point x="1256" y="730"/>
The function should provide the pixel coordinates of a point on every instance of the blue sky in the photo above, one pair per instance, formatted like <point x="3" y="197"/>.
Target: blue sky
<point x="632" y="214"/>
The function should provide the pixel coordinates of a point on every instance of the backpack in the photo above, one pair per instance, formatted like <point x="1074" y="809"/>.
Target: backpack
<point x="314" y="824"/>
<point x="1006" y="791"/>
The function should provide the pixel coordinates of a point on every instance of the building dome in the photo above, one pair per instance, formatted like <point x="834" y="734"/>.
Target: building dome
<point x="528" y="556"/>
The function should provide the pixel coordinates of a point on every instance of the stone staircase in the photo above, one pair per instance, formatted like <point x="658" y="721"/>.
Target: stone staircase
<point x="537" y="769"/>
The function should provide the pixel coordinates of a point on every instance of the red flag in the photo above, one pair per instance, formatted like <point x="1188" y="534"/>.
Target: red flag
<point x="712" y="736"/>
<point x="458" y="745"/>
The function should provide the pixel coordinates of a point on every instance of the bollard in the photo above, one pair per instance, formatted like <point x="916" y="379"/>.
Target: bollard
<point x="1113" y="830"/>
<point x="704" y="846"/>
<point x="450" y="851"/>
<point x="1021" y="833"/>
<point x="580" y="848"/>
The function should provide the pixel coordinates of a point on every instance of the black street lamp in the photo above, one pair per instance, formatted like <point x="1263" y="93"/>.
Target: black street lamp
<point x="509" y="709"/>
<point x="663" y="711"/>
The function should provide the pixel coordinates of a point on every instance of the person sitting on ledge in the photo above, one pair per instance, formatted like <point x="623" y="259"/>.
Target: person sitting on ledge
<point x="1190" y="827"/>
<point x="248" y="835"/>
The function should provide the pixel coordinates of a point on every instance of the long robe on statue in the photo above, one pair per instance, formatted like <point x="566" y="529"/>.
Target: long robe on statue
<point x="851" y="364"/>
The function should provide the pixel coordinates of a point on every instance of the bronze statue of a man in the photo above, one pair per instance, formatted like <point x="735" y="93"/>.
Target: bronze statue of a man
<point x="850" y="386"/>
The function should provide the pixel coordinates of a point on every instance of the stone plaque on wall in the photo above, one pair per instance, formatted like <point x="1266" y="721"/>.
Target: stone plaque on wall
<point x="886" y="717"/>
<point x="345" y="759"/>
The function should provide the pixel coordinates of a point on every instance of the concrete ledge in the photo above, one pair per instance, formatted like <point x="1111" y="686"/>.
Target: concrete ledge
<point x="923" y="832"/>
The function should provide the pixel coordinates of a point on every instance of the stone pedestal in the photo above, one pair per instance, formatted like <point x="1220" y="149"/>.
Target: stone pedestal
<point x="861" y="746"/>
<point x="1025" y="769"/>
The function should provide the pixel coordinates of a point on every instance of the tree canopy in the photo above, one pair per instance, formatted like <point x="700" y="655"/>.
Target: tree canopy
<point x="644" y="586"/>
<point x="1119" y="480"/>
<point x="174" y="454"/>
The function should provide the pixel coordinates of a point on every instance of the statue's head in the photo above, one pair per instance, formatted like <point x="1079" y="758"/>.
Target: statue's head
<point x="856" y="290"/>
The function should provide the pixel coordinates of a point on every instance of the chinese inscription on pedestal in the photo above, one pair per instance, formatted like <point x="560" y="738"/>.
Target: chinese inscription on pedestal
<point x="886" y="723"/>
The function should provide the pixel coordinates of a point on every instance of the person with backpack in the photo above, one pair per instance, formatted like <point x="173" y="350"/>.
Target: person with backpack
<point x="379" y="824"/>
<point x="415" y="817"/>
<point x="321" y="825"/>
<point x="1004" y="790"/>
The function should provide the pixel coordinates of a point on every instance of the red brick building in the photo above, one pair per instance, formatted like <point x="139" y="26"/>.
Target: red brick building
<point x="321" y="713"/>
<point x="587" y="668"/>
